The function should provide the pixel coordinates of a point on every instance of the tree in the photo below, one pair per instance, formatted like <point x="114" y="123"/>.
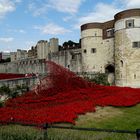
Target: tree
<point x="70" y="43"/>
<point x="5" y="60"/>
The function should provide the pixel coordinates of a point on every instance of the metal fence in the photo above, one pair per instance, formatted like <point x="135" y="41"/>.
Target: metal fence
<point x="46" y="126"/>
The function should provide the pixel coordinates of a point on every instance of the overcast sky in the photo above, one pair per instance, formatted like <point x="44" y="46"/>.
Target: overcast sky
<point x="24" y="22"/>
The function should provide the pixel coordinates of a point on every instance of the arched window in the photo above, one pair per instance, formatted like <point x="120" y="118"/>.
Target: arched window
<point x="134" y="76"/>
<point x="85" y="51"/>
<point x="121" y="63"/>
<point x="110" y="69"/>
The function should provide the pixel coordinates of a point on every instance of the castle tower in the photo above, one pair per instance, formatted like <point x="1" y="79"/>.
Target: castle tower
<point x="127" y="48"/>
<point x="42" y="49"/>
<point x="97" y="44"/>
<point x="54" y="45"/>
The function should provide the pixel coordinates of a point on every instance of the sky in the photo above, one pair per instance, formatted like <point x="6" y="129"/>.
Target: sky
<point x="24" y="22"/>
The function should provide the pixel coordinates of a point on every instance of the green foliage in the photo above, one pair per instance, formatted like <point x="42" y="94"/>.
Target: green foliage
<point x="5" y="90"/>
<point x="24" y="88"/>
<point x="5" y="60"/>
<point x="1" y="104"/>
<point x="99" y="78"/>
<point x="12" y="93"/>
<point x="70" y="43"/>
<point x="18" y="87"/>
<point x="8" y="59"/>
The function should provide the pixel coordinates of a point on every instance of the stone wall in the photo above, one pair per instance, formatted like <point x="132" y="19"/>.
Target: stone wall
<point x="9" y="67"/>
<point x="12" y="83"/>
<point x="24" y="66"/>
<point x="71" y="59"/>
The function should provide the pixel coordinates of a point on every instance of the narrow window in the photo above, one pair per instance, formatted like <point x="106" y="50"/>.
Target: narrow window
<point x="121" y="63"/>
<point x="85" y="51"/>
<point x="129" y="23"/>
<point x="134" y="76"/>
<point x="136" y="44"/>
<point x="93" y="50"/>
<point x="110" y="32"/>
<point x="73" y="56"/>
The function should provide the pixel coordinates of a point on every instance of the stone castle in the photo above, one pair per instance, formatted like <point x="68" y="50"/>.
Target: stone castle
<point x="112" y="47"/>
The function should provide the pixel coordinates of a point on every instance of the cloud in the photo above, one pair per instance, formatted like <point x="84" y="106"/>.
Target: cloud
<point x="101" y="13"/>
<point x="29" y="44"/>
<point x="7" y="6"/>
<point x="22" y="31"/>
<point x="18" y="1"/>
<point x="131" y="3"/>
<point x="17" y="31"/>
<point x="42" y="7"/>
<point x="6" y="39"/>
<point x="38" y="8"/>
<point x="69" y="6"/>
<point x="105" y="11"/>
<point x="52" y="29"/>
<point x="67" y="18"/>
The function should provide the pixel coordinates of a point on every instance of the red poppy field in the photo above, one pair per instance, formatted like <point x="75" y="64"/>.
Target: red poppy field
<point x="10" y="76"/>
<point x="62" y="96"/>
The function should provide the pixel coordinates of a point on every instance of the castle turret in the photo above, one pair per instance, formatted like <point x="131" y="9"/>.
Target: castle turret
<point x="54" y="45"/>
<point x="97" y="43"/>
<point x="42" y="49"/>
<point x="127" y="48"/>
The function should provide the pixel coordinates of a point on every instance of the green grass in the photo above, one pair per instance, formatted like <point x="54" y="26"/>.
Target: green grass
<point x="127" y="118"/>
<point x="17" y="132"/>
<point x="121" y="118"/>
<point x="116" y="118"/>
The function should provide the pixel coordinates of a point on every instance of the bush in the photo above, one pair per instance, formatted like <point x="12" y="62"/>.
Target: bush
<point x="100" y="78"/>
<point x="18" y="90"/>
<point x="5" y="90"/>
<point x="1" y="104"/>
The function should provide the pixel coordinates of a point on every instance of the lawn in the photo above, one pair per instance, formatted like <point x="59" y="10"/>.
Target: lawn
<point x="126" y="118"/>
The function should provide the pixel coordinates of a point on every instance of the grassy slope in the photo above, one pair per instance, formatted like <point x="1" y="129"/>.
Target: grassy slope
<point x="113" y="118"/>
<point x="126" y="118"/>
<point x="107" y="117"/>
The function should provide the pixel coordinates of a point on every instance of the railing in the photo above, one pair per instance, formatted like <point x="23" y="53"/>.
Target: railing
<point x="136" y="132"/>
<point x="45" y="127"/>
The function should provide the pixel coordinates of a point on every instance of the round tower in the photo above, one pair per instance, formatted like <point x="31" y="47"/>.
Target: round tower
<point x="127" y="48"/>
<point x="97" y="44"/>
